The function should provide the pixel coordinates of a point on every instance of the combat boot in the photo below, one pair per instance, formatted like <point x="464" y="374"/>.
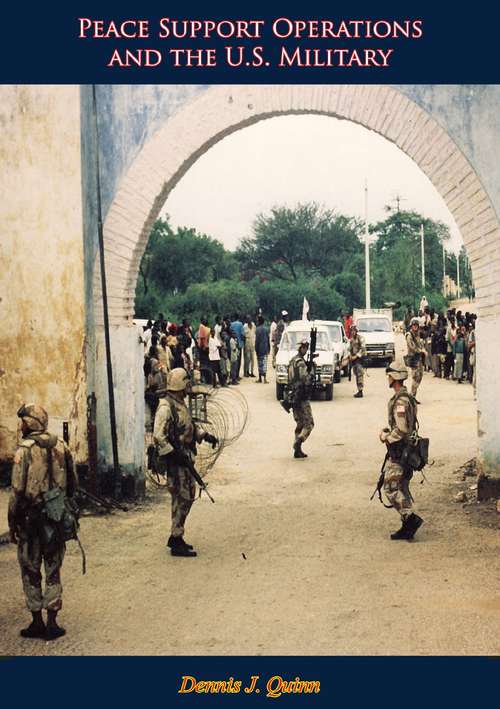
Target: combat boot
<point x="54" y="631"/>
<point x="402" y="532"/>
<point x="179" y="547"/>
<point x="171" y="542"/>
<point x="298" y="452"/>
<point x="413" y="523"/>
<point x="359" y="395"/>
<point x="36" y="629"/>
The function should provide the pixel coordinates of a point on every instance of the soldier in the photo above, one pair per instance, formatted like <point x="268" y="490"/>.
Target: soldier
<point x="357" y="349"/>
<point x="156" y="380"/>
<point x="415" y="355"/>
<point x="402" y="414"/>
<point x="299" y="382"/>
<point x="42" y="462"/>
<point x="175" y="436"/>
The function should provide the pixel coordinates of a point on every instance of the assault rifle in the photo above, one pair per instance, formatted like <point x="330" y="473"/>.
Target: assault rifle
<point x="312" y="349"/>
<point x="380" y="483"/>
<point x="311" y="357"/>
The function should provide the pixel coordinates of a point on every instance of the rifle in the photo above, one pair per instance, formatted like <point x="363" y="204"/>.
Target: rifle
<point x="173" y="438"/>
<point x="380" y="483"/>
<point x="101" y="501"/>
<point x="312" y="349"/>
<point x="186" y="460"/>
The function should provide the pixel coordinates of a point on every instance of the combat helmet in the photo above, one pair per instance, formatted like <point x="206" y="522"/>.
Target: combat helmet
<point x="397" y="370"/>
<point x="414" y="321"/>
<point x="34" y="416"/>
<point x="177" y="379"/>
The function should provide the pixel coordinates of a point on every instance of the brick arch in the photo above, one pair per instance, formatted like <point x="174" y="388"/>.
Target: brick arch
<point x="222" y="110"/>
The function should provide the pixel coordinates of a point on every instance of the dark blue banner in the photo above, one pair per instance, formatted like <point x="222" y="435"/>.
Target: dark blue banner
<point x="343" y="682"/>
<point x="130" y="42"/>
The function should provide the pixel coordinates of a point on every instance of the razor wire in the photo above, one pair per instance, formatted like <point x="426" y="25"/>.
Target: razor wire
<point x="221" y="411"/>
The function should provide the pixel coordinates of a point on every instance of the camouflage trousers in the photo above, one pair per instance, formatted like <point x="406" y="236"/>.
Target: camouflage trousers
<point x="182" y="488"/>
<point x="397" y="489"/>
<point x="359" y="373"/>
<point x="31" y="552"/>
<point x="302" y="414"/>
<point x="416" y="377"/>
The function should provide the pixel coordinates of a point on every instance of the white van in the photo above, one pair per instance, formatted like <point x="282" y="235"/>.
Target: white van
<point x="323" y="364"/>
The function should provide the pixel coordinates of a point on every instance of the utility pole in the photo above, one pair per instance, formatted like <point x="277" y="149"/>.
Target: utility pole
<point x="444" y="271"/>
<point x="423" y="255"/>
<point x="367" y="253"/>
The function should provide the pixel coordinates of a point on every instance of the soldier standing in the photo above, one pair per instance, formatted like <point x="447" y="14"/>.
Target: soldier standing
<point x="42" y="461"/>
<point x="299" y="383"/>
<point x="402" y="415"/>
<point x="175" y="436"/>
<point x="415" y="355"/>
<point x="357" y="349"/>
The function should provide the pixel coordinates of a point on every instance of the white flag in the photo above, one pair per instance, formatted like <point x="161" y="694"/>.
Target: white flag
<point x="305" y="310"/>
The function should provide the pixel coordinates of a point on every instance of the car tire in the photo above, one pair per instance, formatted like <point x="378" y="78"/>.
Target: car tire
<point x="329" y="392"/>
<point x="280" y="390"/>
<point x="337" y="376"/>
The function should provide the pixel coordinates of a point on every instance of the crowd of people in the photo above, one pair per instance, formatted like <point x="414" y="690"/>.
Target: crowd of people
<point x="217" y="353"/>
<point x="449" y="342"/>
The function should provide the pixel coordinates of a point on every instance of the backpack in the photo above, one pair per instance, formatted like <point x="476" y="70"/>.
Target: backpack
<point x="415" y="452"/>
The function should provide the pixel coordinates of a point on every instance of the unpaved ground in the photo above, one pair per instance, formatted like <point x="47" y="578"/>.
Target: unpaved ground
<point x="321" y="575"/>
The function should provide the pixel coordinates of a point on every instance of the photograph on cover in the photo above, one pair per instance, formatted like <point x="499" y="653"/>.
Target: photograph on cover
<point x="236" y="319"/>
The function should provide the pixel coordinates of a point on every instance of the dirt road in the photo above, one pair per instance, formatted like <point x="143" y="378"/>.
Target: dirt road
<point x="320" y="574"/>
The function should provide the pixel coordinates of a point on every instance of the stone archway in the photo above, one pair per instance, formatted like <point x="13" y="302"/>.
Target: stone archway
<point x="221" y="110"/>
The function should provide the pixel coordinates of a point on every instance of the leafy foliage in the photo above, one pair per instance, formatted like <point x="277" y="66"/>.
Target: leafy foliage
<point x="306" y="241"/>
<point x="307" y="251"/>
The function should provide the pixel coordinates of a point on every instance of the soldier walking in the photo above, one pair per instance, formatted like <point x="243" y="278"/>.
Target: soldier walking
<point x="175" y="436"/>
<point x="299" y="393"/>
<point x="42" y="462"/>
<point x="357" y="349"/>
<point x="415" y="355"/>
<point x="402" y="420"/>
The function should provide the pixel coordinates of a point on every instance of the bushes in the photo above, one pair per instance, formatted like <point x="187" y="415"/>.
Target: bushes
<point x="210" y="299"/>
<point x="324" y="301"/>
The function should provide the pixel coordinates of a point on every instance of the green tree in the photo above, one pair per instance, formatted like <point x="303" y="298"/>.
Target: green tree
<point x="351" y="287"/>
<point x="308" y="240"/>
<point x="396" y="258"/>
<point x="174" y="259"/>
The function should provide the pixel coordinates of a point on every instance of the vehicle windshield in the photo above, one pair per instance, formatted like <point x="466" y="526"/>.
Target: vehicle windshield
<point x="290" y="340"/>
<point x="374" y="325"/>
<point x="335" y="333"/>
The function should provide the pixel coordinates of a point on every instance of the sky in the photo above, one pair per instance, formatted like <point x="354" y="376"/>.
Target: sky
<point x="291" y="159"/>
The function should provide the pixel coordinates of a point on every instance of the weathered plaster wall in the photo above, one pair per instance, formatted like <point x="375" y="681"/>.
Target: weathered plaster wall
<point x="41" y="260"/>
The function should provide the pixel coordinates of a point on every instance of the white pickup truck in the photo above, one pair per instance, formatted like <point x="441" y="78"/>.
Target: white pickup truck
<point x="323" y="364"/>
<point x="375" y="327"/>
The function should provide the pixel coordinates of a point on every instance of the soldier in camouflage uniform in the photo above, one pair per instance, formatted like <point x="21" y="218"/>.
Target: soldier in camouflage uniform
<point x="299" y="385"/>
<point x="175" y="436"/>
<point x="36" y="540"/>
<point x="415" y="355"/>
<point x="357" y="350"/>
<point x="402" y="417"/>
